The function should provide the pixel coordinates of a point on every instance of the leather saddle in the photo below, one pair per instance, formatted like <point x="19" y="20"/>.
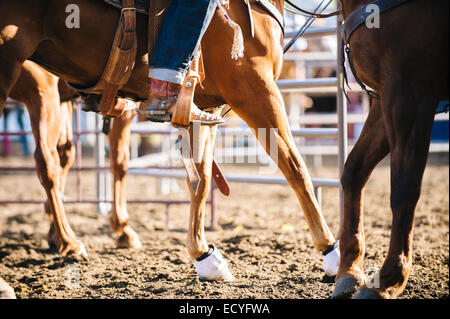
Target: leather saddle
<point x="102" y="97"/>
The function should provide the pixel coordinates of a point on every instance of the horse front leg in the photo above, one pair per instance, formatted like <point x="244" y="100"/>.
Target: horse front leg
<point x="119" y="141"/>
<point x="408" y="114"/>
<point x="209" y="262"/>
<point x="372" y="146"/>
<point x="262" y="107"/>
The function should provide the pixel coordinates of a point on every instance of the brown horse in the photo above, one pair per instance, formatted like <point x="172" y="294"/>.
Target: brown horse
<point x="405" y="62"/>
<point x="36" y="30"/>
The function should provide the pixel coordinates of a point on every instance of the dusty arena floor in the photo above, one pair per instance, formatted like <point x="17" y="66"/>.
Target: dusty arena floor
<point x="263" y="236"/>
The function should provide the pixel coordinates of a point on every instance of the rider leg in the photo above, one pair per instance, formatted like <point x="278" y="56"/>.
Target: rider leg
<point x="184" y="25"/>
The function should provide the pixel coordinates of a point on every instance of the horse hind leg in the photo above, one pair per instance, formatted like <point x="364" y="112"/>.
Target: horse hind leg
<point x="408" y="113"/>
<point x="119" y="141"/>
<point x="45" y="116"/>
<point x="372" y="146"/>
<point x="66" y="152"/>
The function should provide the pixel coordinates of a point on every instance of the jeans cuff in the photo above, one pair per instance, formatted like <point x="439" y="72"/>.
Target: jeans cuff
<point x="167" y="75"/>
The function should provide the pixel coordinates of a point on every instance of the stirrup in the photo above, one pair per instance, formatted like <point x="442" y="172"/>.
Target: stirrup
<point x="205" y="118"/>
<point x="158" y="109"/>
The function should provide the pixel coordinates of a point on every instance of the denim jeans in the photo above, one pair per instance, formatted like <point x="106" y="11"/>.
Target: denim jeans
<point x="184" y="25"/>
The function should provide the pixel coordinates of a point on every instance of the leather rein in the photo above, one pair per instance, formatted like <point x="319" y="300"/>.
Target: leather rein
<point x="313" y="14"/>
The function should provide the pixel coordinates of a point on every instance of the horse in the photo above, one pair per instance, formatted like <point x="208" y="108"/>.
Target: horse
<point x="248" y="85"/>
<point x="49" y="103"/>
<point x="405" y="62"/>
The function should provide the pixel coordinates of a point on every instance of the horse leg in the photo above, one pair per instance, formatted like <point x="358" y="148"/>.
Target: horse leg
<point x="119" y="141"/>
<point x="209" y="262"/>
<point x="263" y="109"/>
<point x="66" y="152"/>
<point x="408" y="114"/>
<point x="45" y="116"/>
<point x="372" y="146"/>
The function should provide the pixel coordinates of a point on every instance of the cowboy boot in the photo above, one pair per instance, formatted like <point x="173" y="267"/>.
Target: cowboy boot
<point x="163" y="101"/>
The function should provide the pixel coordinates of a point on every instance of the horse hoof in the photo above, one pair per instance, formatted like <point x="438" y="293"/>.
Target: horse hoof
<point x="331" y="261"/>
<point x="366" y="293"/>
<point x="212" y="266"/>
<point x="6" y="292"/>
<point x="129" y="239"/>
<point x="345" y="287"/>
<point x="76" y="249"/>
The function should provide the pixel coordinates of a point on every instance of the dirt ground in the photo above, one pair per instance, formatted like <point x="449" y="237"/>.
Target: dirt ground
<point x="263" y="236"/>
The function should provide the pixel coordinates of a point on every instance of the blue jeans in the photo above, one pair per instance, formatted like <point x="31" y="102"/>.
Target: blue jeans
<point x="184" y="25"/>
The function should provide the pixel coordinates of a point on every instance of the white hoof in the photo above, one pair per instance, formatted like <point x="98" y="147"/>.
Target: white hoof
<point x="213" y="266"/>
<point x="6" y="292"/>
<point x="331" y="261"/>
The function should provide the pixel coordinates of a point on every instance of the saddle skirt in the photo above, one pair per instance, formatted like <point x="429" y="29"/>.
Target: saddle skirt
<point x="121" y="60"/>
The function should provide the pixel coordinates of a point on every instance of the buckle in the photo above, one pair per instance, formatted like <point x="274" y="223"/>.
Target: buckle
<point x="127" y="9"/>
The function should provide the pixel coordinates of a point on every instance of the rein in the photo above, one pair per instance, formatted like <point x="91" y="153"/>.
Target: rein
<point x="317" y="12"/>
<point x="313" y="14"/>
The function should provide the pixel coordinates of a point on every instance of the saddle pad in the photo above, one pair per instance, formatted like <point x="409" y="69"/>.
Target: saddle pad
<point x="142" y="6"/>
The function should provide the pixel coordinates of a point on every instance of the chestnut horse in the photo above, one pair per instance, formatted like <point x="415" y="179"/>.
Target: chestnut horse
<point x="405" y="62"/>
<point x="51" y="123"/>
<point x="36" y="30"/>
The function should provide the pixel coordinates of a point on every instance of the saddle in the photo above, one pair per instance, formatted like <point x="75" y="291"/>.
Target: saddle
<point x="102" y="97"/>
<point x="120" y="66"/>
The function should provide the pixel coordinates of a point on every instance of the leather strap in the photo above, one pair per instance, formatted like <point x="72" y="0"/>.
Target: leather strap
<point x="121" y="60"/>
<point x="273" y="11"/>
<point x="359" y="16"/>
<point x="220" y="180"/>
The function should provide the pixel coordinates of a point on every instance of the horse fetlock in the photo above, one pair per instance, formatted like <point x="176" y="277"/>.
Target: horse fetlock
<point x="212" y="266"/>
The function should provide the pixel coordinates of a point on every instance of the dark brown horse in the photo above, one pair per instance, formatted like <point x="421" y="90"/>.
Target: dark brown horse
<point x="405" y="62"/>
<point x="36" y="30"/>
